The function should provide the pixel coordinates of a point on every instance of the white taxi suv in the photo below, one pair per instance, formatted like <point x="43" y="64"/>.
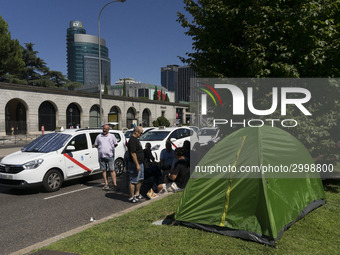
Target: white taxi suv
<point x="56" y="157"/>
<point x="177" y="135"/>
<point x="209" y="135"/>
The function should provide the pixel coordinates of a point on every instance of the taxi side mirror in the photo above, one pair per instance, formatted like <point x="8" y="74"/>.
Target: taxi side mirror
<point x="70" y="148"/>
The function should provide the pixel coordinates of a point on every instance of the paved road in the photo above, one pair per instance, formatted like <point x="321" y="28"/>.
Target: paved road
<point x="31" y="216"/>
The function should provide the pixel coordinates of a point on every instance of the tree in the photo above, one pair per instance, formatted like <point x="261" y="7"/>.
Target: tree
<point x="71" y="85"/>
<point x="57" y="78"/>
<point x="155" y="94"/>
<point x="106" y="90"/>
<point x="263" y="38"/>
<point x="278" y="38"/>
<point x="167" y="98"/>
<point x="10" y="53"/>
<point x="35" y="67"/>
<point x="124" y="88"/>
<point x="37" y="73"/>
<point x="161" y="121"/>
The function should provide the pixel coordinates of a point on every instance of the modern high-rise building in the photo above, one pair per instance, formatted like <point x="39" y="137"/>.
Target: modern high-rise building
<point x="177" y="78"/>
<point x="169" y="77"/>
<point x="82" y="58"/>
<point x="185" y="73"/>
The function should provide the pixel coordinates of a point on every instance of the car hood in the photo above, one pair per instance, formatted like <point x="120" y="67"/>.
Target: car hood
<point x="19" y="157"/>
<point x="205" y="138"/>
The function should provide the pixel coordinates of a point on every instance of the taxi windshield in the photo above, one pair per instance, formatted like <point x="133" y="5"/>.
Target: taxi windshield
<point x="128" y="133"/>
<point x="154" y="136"/>
<point x="208" y="132"/>
<point x="47" y="143"/>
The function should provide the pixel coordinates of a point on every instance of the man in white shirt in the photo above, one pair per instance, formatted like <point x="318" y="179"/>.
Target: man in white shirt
<point x="106" y="143"/>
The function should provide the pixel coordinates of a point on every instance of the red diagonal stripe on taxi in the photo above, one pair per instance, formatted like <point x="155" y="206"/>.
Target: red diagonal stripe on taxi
<point x="174" y="145"/>
<point x="77" y="162"/>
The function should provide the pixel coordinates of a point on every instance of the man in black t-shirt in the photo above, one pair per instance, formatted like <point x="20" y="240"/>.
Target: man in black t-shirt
<point x="177" y="178"/>
<point x="135" y="165"/>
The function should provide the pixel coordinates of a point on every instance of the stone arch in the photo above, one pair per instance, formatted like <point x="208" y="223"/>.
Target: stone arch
<point x="131" y="117"/>
<point x="115" y="115"/>
<point x="146" y="114"/>
<point x="16" y="117"/>
<point x="47" y="116"/>
<point x="95" y="116"/>
<point x="73" y="115"/>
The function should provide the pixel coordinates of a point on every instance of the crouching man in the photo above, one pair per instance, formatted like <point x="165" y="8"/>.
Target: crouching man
<point x="179" y="176"/>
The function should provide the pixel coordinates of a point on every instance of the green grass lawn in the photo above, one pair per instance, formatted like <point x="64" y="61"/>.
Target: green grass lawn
<point x="133" y="233"/>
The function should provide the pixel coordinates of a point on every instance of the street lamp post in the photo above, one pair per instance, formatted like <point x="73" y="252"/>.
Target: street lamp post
<point x="99" y="60"/>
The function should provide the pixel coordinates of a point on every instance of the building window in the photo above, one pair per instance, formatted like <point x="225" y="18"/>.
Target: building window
<point x="146" y="118"/>
<point x="131" y="118"/>
<point x="72" y="115"/>
<point x="94" y="116"/>
<point x="47" y="116"/>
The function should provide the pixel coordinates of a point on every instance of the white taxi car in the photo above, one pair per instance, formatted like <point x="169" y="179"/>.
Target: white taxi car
<point x="207" y="135"/>
<point x="55" y="157"/>
<point x="128" y="133"/>
<point x="177" y="135"/>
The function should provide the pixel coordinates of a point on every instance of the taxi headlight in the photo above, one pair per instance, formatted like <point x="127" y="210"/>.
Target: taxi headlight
<point x="155" y="148"/>
<point x="33" y="164"/>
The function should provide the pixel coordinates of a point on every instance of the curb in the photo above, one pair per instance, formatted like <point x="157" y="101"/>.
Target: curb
<point x="71" y="232"/>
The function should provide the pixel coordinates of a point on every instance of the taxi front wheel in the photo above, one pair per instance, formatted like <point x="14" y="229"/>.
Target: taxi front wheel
<point x="53" y="180"/>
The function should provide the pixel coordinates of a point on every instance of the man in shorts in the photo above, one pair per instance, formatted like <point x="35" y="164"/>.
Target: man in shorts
<point x="106" y="143"/>
<point x="135" y="165"/>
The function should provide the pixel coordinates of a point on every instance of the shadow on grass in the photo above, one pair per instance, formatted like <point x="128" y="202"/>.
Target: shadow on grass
<point x="332" y="185"/>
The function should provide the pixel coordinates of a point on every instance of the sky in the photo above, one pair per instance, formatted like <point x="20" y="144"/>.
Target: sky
<point x="142" y="35"/>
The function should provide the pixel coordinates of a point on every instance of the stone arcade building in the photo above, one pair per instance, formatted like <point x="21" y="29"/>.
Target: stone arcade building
<point x="25" y="109"/>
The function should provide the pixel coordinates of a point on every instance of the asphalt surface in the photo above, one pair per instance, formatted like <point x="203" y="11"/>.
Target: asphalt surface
<point x="30" y="216"/>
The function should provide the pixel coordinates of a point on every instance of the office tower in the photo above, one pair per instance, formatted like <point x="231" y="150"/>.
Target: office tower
<point x="169" y="77"/>
<point x="185" y="73"/>
<point x="82" y="57"/>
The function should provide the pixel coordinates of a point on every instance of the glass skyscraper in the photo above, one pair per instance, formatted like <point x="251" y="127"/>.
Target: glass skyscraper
<point x="169" y="76"/>
<point x="82" y="57"/>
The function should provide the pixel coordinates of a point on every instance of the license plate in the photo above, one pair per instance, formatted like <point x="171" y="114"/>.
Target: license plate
<point x="5" y="176"/>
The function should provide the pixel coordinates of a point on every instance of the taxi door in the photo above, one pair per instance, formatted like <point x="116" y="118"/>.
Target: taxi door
<point x="78" y="161"/>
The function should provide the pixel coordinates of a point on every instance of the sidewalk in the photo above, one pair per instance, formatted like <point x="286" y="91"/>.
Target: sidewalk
<point x="6" y="151"/>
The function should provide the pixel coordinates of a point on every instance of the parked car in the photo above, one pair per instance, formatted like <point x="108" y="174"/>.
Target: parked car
<point x="196" y="129"/>
<point x="207" y="135"/>
<point x="56" y="157"/>
<point x="128" y="133"/>
<point x="112" y="125"/>
<point x="177" y="135"/>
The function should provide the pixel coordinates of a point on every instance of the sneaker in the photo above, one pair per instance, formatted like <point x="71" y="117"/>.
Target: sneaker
<point x="106" y="187"/>
<point x="139" y="197"/>
<point x="132" y="200"/>
<point x="136" y="198"/>
<point x="163" y="191"/>
<point x="115" y="188"/>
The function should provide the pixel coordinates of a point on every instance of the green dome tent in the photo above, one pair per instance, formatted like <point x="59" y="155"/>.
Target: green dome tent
<point x="253" y="206"/>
